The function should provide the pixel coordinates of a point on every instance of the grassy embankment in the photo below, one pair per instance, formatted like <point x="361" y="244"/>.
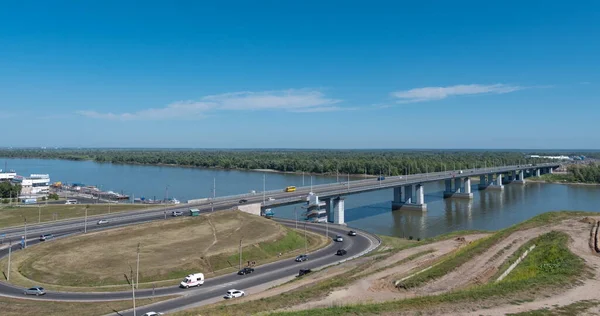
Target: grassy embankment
<point x="17" y="307"/>
<point x="550" y="266"/>
<point x="169" y="251"/>
<point x="553" y="178"/>
<point x="389" y="247"/>
<point x="578" y="308"/>
<point x="503" y="289"/>
<point x="14" y="215"/>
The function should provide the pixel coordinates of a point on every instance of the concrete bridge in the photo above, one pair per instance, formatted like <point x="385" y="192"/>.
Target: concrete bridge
<point x="408" y="191"/>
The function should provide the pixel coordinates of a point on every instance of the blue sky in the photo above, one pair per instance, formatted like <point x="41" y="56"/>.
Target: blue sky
<point x="309" y="74"/>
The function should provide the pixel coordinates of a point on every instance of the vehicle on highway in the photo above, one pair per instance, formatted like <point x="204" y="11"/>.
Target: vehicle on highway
<point x="194" y="212"/>
<point x="176" y="213"/>
<point x="351" y="233"/>
<point x="246" y="270"/>
<point x="303" y="272"/>
<point x="381" y="178"/>
<point x="37" y="291"/>
<point x="341" y="252"/>
<point x="301" y="258"/>
<point x="152" y="314"/>
<point x="71" y="202"/>
<point x="270" y="199"/>
<point x="460" y="172"/>
<point x="102" y="222"/>
<point x="338" y="238"/>
<point x="45" y="237"/>
<point x="243" y="201"/>
<point x="290" y="189"/>
<point x="234" y="294"/>
<point x="195" y="279"/>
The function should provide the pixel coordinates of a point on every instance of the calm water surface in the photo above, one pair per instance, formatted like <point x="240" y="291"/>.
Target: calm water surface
<point x="489" y="210"/>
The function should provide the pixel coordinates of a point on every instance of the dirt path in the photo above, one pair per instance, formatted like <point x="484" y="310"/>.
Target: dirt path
<point x="579" y="233"/>
<point x="484" y="266"/>
<point x="379" y="286"/>
<point x="215" y="239"/>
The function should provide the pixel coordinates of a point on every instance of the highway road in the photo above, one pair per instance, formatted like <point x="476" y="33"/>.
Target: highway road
<point x="214" y="287"/>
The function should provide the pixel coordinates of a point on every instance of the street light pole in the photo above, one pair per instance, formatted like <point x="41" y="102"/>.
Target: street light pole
<point x="9" y="254"/>
<point x="296" y="216"/>
<point x="264" y="187"/>
<point x="25" y="242"/>
<point x="137" y="269"/>
<point x="85" y="221"/>
<point x="241" y="252"/>
<point x="39" y="213"/>
<point x="305" y="242"/>
<point x="133" y="291"/>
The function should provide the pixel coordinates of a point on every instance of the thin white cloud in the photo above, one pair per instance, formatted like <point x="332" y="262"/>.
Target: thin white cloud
<point x="439" y="93"/>
<point x="323" y="109"/>
<point x="303" y="100"/>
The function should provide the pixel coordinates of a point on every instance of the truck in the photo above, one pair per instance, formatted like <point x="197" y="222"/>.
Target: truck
<point x="194" y="279"/>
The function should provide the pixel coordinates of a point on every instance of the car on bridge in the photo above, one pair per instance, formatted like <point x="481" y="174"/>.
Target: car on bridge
<point x="341" y="252"/>
<point x="234" y="294"/>
<point x="246" y="270"/>
<point x="102" y="222"/>
<point x="301" y="258"/>
<point x="37" y="291"/>
<point x="242" y="201"/>
<point x="270" y="199"/>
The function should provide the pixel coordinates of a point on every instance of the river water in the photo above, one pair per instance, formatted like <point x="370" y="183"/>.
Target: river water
<point x="489" y="210"/>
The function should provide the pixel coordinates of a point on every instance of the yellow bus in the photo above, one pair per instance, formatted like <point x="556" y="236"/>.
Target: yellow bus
<point x="290" y="189"/>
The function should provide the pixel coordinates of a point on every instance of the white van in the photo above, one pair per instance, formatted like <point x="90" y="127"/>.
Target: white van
<point x="195" y="279"/>
<point x="71" y="202"/>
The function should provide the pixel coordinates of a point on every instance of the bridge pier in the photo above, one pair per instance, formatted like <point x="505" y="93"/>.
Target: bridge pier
<point x="338" y="210"/>
<point x="462" y="188"/>
<point x="490" y="184"/>
<point x="537" y="172"/>
<point x="520" y="177"/>
<point x="405" y="201"/>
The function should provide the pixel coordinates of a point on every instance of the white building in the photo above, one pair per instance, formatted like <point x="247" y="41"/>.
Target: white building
<point x="35" y="184"/>
<point x="7" y="175"/>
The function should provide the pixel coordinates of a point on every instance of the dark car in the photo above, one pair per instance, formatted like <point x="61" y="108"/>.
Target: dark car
<point x="351" y="233"/>
<point x="243" y="201"/>
<point x="37" y="291"/>
<point x="301" y="258"/>
<point x="380" y="178"/>
<point x="341" y="252"/>
<point x="303" y="272"/>
<point x="245" y="271"/>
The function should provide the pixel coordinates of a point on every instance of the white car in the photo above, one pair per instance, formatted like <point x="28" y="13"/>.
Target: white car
<point x="270" y="199"/>
<point x="102" y="222"/>
<point x="234" y="294"/>
<point x="152" y="314"/>
<point x="339" y="238"/>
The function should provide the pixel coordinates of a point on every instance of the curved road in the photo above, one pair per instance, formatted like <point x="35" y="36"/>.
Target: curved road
<point x="213" y="287"/>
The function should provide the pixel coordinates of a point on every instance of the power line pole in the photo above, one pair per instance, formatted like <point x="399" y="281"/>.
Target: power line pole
<point x="311" y="183"/>
<point x="296" y="216"/>
<point x="137" y="269"/>
<point x="241" y="252"/>
<point x="348" y="180"/>
<point x="302" y="178"/>
<point x="39" y="213"/>
<point x="85" y="220"/>
<point x="166" y="199"/>
<point x="214" y="187"/>
<point x="305" y="242"/>
<point x="133" y="291"/>
<point x="25" y="241"/>
<point x="264" y="187"/>
<point x="9" y="254"/>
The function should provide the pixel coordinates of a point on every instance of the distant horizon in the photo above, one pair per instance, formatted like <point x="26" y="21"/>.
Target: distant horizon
<point x="301" y="149"/>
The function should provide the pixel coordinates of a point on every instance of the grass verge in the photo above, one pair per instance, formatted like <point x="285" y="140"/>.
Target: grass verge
<point x="17" y="307"/>
<point x="577" y="308"/>
<point x="13" y="215"/>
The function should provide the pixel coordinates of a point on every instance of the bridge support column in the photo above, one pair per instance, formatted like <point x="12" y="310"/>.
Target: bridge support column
<point x="537" y="172"/>
<point x="520" y="177"/>
<point x="550" y="170"/>
<point x="407" y="203"/>
<point x="338" y="211"/>
<point x="460" y="190"/>
<point x="497" y="185"/>
<point x="483" y="183"/>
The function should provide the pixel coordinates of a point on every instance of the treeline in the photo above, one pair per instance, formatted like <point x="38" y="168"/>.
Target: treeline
<point x="7" y="190"/>
<point x="375" y="162"/>
<point x="584" y="173"/>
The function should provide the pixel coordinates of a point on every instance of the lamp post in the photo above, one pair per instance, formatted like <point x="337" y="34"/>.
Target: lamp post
<point x="39" y="213"/>
<point x="85" y="220"/>
<point x="241" y="252"/>
<point x="25" y="235"/>
<point x="9" y="255"/>
<point x="137" y="269"/>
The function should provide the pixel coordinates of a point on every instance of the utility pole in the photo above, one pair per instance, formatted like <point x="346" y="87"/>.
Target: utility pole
<point x="348" y="180"/>
<point x="302" y="178"/>
<point x="337" y="172"/>
<point x="214" y="188"/>
<point x="166" y="199"/>
<point x="137" y="269"/>
<point x="133" y="291"/>
<point x="25" y="241"/>
<point x="85" y="220"/>
<point x="296" y="216"/>
<point x="212" y="207"/>
<point x="264" y="187"/>
<point x="311" y="183"/>
<point x="9" y="254"/>
<point x="305" y="242"/>
<point x="39" y="213"/>
<point x="241" y="252"/>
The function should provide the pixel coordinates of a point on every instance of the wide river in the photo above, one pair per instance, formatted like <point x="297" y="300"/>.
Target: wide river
<point x="489" y="210"/>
